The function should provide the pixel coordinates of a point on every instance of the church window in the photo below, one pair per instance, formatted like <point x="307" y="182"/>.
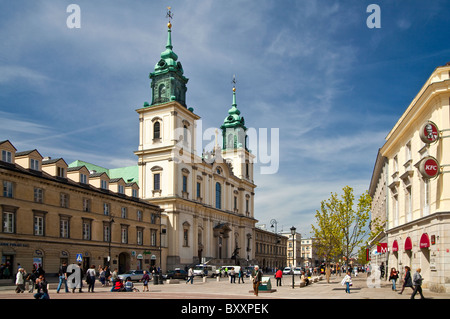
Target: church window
<point x="157" y="130"/>
<point x="156" y="182"/>
<point x="185" y="133"/>
<point x="218" y="195"/>
<point x="184" y="183"/>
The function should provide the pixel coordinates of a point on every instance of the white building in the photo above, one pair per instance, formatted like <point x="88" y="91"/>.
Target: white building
<point x="208" y="199"/>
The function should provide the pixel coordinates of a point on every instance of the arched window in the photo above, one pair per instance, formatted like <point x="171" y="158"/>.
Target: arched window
<point x="218" y="195"/>
<point x="185" y="133"/>
<point x="157" y="130"/>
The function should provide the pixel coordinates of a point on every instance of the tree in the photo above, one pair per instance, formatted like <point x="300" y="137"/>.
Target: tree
<point x="341" y="227"/>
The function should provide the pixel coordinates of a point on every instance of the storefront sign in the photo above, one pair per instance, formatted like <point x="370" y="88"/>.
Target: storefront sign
<point x="429" y="132"/>
<point x="395" y="246"/>
<point x="408" y="244"/>
<point x="429" y="167"/>
<point x="424" y="241"/>
<point x="382" y="248"/>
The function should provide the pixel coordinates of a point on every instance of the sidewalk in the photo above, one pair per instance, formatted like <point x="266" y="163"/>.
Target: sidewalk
<point x="223" y="289"/>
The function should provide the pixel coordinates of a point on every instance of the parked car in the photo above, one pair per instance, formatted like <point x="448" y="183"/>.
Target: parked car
<point x="177" y="273"/>
<point x="135" y="275"/>
<point x="205" y="270"/>
<point x="287" y="271"/>
<point x="297" y="271"/>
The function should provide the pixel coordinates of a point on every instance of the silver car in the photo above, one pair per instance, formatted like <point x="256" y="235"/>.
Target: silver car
<point x="135" y="275"/>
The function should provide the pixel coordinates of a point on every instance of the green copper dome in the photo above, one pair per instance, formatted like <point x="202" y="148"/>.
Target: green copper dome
<point x="168" y="82"/>
<point x="233" y="128"/>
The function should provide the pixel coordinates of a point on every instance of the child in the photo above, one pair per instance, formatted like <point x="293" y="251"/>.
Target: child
<point x="347" y="281"/>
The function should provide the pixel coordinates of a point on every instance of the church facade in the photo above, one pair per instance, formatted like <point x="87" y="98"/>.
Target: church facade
<point x="208" y="199"/>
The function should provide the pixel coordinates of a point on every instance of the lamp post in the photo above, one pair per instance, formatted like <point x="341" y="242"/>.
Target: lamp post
<point x="293" y="229"/>
<point x="111" y="220"/>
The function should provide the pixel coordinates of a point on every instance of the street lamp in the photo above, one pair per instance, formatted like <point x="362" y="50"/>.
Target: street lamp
<point x="293" y="229"/>
<point x="111" y="220"/>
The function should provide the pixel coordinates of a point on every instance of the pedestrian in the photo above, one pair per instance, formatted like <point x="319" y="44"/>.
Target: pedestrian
<point x="382" y="270"/>
<point x="129" y="286"/>
<point x="407" y="281"/>
<point x="417" y="283"/>
<point x="145" y="279"/>
<point x="62" y="274"/>
<point x="41" y="286"/>
<point x="20" y="281"/>
<point x="114" y="277"/>
<point x="347" y="281"/>
<point x="107" y="276"/>
<point x="278" y="276"/>
<point x="393" y="276"/>
<point x="90" y="278"/>
<point x="190" y="276"/>
<point x="304" y="278"/>
<point x="256" y="279"/>
<point x="232" y="275"/>
<point x="241" y="276"/>
<point x="101" y="276"/>
<point x="31" y="278"/>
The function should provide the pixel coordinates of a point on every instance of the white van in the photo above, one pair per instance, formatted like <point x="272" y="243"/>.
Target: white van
<point x="205" y="270"/>
<point x="222" y="269"/>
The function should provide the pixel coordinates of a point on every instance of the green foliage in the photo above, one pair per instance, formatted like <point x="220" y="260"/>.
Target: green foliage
<point x="341" y="227"/>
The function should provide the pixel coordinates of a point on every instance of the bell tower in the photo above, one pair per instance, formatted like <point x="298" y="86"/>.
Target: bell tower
<point x="168" y="82"/>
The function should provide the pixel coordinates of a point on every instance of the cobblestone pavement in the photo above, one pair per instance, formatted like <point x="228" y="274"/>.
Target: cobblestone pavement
<point x="223" y="289"/>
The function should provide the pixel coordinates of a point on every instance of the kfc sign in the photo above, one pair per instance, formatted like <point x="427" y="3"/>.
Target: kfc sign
<point x="429" y="133"/>
<point x="429" y="167"/>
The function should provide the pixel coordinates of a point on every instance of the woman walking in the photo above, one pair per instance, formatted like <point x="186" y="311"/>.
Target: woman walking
<point x="417" y="282"/>
<point x="407" y="281"/>
<point x="393" y="277"/>
<point x="90" y="278"/>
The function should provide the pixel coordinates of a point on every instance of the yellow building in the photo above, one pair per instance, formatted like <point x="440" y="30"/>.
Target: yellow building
<point x="52" y="213"/>
<point x="271" y="249"/>
<point x="411" y="191"/>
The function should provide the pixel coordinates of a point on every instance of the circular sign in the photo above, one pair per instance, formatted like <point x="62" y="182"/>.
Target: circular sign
<point x="429" y="132"/>
<point x="429" y="167"/>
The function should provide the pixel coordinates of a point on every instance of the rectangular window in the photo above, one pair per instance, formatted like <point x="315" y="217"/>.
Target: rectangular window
<point x="140" y="236"/>
<point x="86" y="230"/>
<point x="156" y="182"/>
<point x="186" y="237"/>
<point x="34" y="164"/>
<point x="61" y="172"/>
<point x="139" y="215"/>
<point x="121" y="189"/>
<point x="83" y="178"/>
<point x="8" y="222"/>
<point x="7" y="189"/>
<point x="134" y="193"/>
<point x="38" y="195"/>
<point x="152" y="218"/>
<point x="39" y="225"/>
<point x="6" y="156"/>
<point x="104" y="184"/>
<point x="153" y="238"/>
<point x="64" y="228"/>
<point x="64" y="200"/>
<point x="106" y="233"/>
<point x="235" y="202"/>
<point x="86" y="205"/>
<point x="106" y="209"/>
<point x="124" y="212"/>
<point x="199" y="187"/>
<point x="124" y="237"/>
<point x="185" y="183"/>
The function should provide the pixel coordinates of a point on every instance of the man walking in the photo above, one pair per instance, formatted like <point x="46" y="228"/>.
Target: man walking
<point x="62" y="277"/>
<point x="417" y="282"/>
<point x="256" y="278"/>
<point x="278" y="276"/>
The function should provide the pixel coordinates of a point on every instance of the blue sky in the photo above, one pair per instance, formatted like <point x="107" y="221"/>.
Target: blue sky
<point x="311" y="68"/>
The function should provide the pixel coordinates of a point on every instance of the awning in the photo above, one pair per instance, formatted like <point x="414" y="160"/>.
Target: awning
<point x="395" y="246"/>
<point x="408" y="244"/>
<point x="424" y="241"/>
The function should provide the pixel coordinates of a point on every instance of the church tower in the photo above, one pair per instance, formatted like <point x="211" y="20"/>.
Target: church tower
<point x="208" y="203"/>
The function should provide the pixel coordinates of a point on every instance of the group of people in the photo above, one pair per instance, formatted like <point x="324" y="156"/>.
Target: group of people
<point x="414" y="281"/>
<point x="35" y="279"/>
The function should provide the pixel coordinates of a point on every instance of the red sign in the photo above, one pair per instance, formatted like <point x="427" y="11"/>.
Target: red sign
<point x="395" y="246"/>
<point x="429" y="132"/>
<point x="424" y="241"/>
<point x="382" y="248"/>
<point x="429" y="167"/>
